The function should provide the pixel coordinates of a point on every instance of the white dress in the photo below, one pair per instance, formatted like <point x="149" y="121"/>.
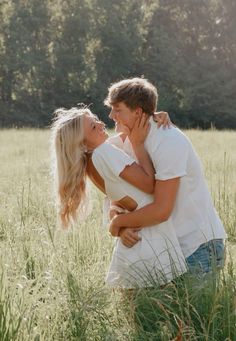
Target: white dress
<point x="157" y="258"/>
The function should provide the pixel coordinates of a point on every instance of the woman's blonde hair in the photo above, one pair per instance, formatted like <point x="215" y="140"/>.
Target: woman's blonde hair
<point x="70" y="160"/>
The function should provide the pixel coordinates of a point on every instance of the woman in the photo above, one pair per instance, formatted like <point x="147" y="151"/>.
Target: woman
<point x="80" y="141"/>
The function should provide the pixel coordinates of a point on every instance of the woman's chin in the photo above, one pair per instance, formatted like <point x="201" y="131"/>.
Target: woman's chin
<point x="105" y="136"/>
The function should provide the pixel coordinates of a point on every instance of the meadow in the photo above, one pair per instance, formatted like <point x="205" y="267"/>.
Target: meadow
<point x="52" y="280"/>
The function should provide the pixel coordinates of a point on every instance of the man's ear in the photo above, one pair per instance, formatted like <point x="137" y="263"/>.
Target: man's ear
<point x="138" y="111"/>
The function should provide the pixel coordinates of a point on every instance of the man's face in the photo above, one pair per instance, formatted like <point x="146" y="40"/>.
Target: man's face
<point x="123" y="116"/>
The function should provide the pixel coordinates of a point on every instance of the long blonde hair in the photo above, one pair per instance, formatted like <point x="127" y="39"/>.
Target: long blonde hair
<point x="70" y="161"/>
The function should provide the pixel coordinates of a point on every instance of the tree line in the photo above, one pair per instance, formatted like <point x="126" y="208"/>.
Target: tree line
<point x="59" y="53"/>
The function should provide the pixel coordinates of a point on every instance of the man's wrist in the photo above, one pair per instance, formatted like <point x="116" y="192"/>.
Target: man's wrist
<point x="120" y="231"/>
<point x="115" y="222"/>
<point x="118" y="221"/>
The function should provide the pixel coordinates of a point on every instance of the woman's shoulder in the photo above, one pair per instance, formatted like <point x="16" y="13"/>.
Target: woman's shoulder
<point x="104" y="147"/>
<point x="104" y="152"/>
<point x="116" y="140"/>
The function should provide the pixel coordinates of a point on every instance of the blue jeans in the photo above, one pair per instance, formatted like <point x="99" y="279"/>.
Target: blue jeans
<point x="208" y="257"/>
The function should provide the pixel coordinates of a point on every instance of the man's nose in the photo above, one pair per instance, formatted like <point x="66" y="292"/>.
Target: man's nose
<point x="112" y="115"/>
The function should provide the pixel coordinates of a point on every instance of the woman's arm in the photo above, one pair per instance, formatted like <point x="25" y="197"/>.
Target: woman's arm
<point x="125" y="203"/>
<point x="140" y="175"/>
<point x="137" y="137"/>
<point x="94" y="175"/>
<point x="136" y="176"/>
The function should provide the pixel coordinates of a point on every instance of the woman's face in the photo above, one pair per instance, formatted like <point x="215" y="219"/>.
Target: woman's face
<point x="94" y="132"/>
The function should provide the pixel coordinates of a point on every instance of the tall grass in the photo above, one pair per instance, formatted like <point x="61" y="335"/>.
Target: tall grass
<point x="190" y="309"/>
<point x="52" y="281"/>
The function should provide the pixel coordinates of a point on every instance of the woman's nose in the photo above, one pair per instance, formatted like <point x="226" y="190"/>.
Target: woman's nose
<point x="101" y="123"/>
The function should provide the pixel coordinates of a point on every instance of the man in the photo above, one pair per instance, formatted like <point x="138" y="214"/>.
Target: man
<point x="181" y="193"/>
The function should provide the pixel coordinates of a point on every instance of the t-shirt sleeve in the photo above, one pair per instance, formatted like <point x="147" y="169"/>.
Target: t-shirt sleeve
<point x="171" y="158"/>
<point x="110" y="160"/>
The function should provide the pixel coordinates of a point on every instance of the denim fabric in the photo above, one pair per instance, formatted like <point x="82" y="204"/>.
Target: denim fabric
<point x="208" y="257"/>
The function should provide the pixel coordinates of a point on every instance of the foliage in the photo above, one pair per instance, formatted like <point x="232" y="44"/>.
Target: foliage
<point x="59" y="53"/>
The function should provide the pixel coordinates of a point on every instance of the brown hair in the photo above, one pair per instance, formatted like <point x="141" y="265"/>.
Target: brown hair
<point x="134" y="92"/>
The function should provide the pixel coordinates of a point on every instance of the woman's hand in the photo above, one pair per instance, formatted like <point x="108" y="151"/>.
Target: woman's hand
<point x="140" y="130"/>
<point x="162" y="118"/>
<point x="115" y="210"/>
<point x="114" y="226"/>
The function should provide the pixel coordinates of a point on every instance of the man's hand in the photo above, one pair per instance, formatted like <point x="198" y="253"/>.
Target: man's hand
<point x="162" y="118"/>
<point x="129" y="237"/>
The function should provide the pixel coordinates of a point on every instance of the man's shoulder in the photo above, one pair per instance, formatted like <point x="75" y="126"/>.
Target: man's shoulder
<point x="162" y="135"/>
<point x="173" y="133"/>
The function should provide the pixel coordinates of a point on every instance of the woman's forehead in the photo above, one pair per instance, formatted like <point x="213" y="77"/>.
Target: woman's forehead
<point x="92" y="116"/>
<point x="89" y="120"/>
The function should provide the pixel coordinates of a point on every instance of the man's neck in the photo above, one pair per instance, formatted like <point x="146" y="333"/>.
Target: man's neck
<point x="122" y="136"/>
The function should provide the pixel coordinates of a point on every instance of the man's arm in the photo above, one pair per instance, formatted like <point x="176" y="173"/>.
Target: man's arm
<point x="154" y="213"/>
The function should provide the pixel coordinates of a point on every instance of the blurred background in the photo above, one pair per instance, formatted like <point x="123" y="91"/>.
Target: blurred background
<point x="58" y="53"/>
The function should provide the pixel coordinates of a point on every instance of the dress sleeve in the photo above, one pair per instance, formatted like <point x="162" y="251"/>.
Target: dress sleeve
<point x="171" y="157"/>
<point x="110" y="160"/>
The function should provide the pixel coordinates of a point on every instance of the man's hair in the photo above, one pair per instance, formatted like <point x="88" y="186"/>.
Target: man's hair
<point x="134" y="92"/>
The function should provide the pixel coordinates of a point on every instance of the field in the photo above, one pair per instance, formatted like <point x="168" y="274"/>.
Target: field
<point x="52" y="281"/>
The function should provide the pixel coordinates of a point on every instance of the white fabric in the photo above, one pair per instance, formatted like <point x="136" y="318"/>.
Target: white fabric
<point x="158" y="256"/>
<point x="194" y="217"/>
<point x="125" y="145"/>
<point x="117" y="141"/>
<point x="110" y="161"/>
<point x="105" y="210"/>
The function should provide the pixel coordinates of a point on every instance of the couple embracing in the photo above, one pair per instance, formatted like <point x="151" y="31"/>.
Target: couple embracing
<point x="163" y="216"/>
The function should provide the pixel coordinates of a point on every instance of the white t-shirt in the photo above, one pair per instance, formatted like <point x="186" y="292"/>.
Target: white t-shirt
<point x="194" y="216"/>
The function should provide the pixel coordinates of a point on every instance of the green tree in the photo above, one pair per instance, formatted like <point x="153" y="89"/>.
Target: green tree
<point x="183" y="47"/>
<point x="26" y="71"/>
<point x="73" y="51"/>
<point x="120" y="37"/>
<point x="58" y="53"/>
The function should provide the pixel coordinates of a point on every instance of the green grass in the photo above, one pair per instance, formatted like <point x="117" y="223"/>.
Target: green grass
<point x="52" y="281"/>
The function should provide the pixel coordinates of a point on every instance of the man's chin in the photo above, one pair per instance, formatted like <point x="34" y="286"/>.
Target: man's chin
<point x="120" y="128"/>
<point x="117" y="129"/>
